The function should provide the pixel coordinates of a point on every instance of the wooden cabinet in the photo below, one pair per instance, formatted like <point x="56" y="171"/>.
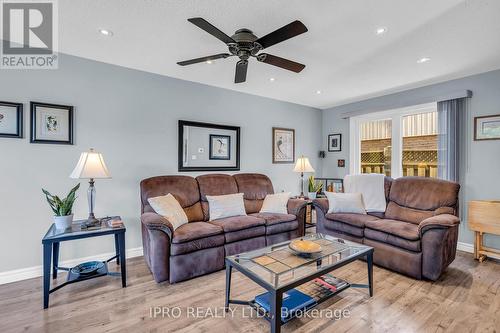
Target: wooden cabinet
<point x="484" y="218"/>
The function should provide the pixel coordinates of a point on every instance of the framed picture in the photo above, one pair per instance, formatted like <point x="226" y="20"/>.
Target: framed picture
<point x="334" y="142"/>
<point x="341" y="163"/>
<point x="208" y="147"/>
<point x="283" y="145"/>
<point x="220" y="147"/>
<point x="487" y="128"/>
<point x="11" y="120"/>
<point x="51" y="123"/>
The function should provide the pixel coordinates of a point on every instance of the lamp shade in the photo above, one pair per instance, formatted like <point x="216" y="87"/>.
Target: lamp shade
<point x="90" y="165"/>
<point x="303" y="165"/>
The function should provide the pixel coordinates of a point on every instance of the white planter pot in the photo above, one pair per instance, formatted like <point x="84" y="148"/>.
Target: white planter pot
<point x="63" y="222"/>
<point x="311" y="195"/>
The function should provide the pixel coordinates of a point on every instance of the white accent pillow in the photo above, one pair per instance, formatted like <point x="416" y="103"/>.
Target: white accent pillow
<point x="371" y="186"/>
<point x="168" y="207"/>
<point x="220" y="206"/>
<point x="276" y="203"/>
<point x="345" y="203"/>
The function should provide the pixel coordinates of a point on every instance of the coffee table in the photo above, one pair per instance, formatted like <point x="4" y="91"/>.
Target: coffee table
<point x="278" y="269"/>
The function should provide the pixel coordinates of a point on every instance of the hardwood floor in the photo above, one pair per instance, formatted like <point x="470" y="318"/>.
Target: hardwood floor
<point x="465" y="299"/>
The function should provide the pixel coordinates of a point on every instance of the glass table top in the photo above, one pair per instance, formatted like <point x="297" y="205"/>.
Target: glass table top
<point x="278" y="265"/>
<point x="77" y="229"/>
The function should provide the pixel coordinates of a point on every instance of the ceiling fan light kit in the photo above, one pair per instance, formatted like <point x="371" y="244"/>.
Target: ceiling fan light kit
<point x="245" y="45"/>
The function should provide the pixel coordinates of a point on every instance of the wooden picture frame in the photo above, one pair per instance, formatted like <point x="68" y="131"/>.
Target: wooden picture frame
<point x="335" y="142"/>
<point x="283" y="145"/>
<point x="480" y="124"/>
<point x="212" y="164"/>
<point x="11" y="120"/>
<point x="51" y="123"/>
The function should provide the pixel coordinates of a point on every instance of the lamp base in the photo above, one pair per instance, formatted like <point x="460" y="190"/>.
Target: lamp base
<point x="92" y="222"/>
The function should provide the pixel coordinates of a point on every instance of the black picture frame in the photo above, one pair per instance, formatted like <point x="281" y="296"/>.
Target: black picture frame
<point x="213" y="137"/>
<point x="20" y="120"/>
<point x="180" y="139"/>
<point x="331" y="137"/>
<point x="33" y="118"/>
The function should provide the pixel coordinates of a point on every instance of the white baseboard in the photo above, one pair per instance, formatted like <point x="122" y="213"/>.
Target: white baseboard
<point x="36" y="271"/>
<point x="466" y="247"/>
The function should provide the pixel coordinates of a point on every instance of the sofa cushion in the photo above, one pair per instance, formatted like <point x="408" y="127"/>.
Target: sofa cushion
<point x="244" y="234"/>
<point x="214" y="184"/>
<point x="397" y="228"/>
<point x="411" y="245"/>
<point x="282" y="227"/>
<point x="344" y="228"/>
<point x="195" y="230"/>
<point x="356" y="220"/>
<point x="255" y="187"/>
<point x="235" y="223"/>
<point x="275" y="218"/>
<point x="197" y="244"/>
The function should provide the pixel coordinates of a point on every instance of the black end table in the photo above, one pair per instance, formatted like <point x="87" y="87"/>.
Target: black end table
<point x="51" y="242"/>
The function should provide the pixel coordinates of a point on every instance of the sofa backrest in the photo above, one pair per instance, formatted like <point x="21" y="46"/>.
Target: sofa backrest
<point x="255" y="187"/>
<point x="413" y="199"/>
<point x="214" y="184"/>
<point x="184" y="188"/>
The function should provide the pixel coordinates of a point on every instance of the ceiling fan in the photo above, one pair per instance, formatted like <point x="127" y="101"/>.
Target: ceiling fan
<point x="244" y="44"/>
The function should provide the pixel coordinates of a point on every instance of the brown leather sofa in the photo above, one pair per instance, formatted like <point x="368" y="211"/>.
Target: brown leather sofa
<point x="199" y="247"/>
<point x="416" y="236"/>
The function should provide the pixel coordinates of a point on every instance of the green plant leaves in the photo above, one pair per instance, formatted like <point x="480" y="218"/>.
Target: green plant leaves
<point x="62" y="207"/>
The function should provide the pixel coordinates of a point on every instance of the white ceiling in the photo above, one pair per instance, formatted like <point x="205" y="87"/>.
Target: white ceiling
<point x="345" y="59"/>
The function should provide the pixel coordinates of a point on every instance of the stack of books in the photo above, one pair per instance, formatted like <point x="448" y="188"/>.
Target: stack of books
<point x="113" y="221"/>
<point x="294" y="301"/>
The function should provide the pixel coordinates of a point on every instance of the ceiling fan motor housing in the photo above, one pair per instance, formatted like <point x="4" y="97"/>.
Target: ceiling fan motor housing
<point x="245" y="45"/>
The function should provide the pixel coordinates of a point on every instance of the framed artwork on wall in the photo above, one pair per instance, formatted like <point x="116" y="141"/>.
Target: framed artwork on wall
<point x="487" y="128"/>
<point x="220" y="147"/>
<point x="51" y="123"/>
<point x="335" y="142"/>
<point x="283" y="145"/>
<point x="11" y="120"/>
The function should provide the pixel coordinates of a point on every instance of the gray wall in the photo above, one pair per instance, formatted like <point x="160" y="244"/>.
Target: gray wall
<point x="131" y="117"/>
<point x="481" y="164"/>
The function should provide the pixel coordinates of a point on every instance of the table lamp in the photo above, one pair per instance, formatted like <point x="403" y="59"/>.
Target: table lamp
<point x="91" y="166"/>
<point x="302" y="166"/>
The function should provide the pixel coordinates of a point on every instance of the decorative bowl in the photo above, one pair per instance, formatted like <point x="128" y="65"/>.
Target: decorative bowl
<point x="304" y="248"/>
<point x="87" y="268"/>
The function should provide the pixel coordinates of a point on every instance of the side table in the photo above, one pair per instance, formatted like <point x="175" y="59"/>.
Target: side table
<point x="51" y="242"/>
<point x="484" y="218"/>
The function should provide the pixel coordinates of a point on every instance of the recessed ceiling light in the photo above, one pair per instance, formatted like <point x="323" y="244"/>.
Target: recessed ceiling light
<point x="381" y="30"/>
<point x="272" y="79"/>
<point x="318" y="92"/>
<point x="105" y="32"/>
<point x="209" y="62"/>
<point x="423" y="60"/>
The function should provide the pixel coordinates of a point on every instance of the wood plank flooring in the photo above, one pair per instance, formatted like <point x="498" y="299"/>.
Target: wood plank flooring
<point x="465" y="299"/>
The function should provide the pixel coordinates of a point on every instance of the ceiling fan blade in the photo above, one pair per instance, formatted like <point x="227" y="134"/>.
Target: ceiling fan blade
<point x="203" y="59"/>
<point x="281" y="62"/>
<point x="241" y="71"/>
<point x="288" y="31"/>
<point x="205" y="25"/>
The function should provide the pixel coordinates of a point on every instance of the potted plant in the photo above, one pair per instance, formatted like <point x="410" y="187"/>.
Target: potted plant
<point x="63" y="215"/>
<point x="313" y="187"/>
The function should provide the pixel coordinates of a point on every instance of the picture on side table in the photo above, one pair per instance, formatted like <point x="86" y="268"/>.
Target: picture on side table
<point x="11" y="120"/>
<point x="51" y="123"/>
<point x="220" y="147"/>
<point x="334" y="142"/>
<point x="283" y="145"/>
<point x="487" y="128"/>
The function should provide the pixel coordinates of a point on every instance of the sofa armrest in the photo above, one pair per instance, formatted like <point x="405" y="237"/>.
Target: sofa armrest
<point x="295" y="205"/>
<point x="438" y="221"/>
<point x="322" y="204"/>
<point x="153" y="221"/>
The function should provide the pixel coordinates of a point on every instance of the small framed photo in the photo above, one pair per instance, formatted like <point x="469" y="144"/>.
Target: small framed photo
<point x="334" y="142"/>
<point x="283" y="145"/>
<point x="11" y="120"/>
<point x="51" y="123"/>
<point x="341" y="163"/>
<point x="219" y="147"/>
<point x="487" y="128"/>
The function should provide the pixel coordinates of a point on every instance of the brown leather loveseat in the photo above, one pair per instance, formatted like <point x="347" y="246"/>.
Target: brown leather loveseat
<point x="417" y="235"/>
<point x="199" y="247"/>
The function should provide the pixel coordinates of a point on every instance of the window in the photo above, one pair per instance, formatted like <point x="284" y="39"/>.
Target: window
<point x="402" y="142"/>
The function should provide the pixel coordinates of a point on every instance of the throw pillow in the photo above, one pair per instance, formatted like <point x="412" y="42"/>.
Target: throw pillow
<point x="276" y="203"/>
<point x="168" y="207"/>
<point x="220" y="206"/>
<point x="345" y="203"/>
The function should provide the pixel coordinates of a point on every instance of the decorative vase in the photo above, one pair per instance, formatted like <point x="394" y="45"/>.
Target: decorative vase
<point x="311" y="195"/>
<point x="63" y="222"/>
